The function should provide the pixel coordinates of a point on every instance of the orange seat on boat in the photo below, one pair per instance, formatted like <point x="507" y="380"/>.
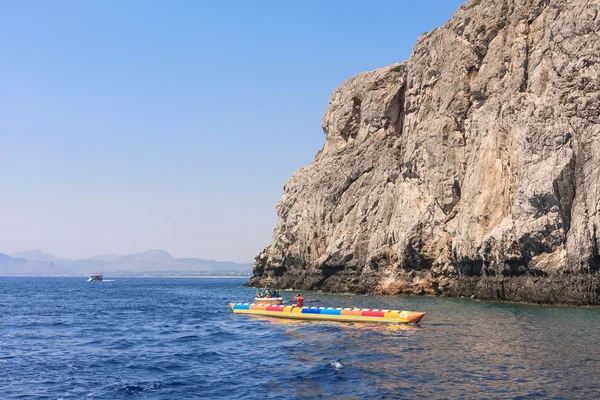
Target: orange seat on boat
<point x="257" y="307"/>
<point x="355" y="312"/>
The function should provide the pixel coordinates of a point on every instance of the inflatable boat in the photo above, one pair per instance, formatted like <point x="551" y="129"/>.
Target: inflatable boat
<point x="268" y="295"/>
<point x="268" y="300"/>
<point x="329" y="314"/>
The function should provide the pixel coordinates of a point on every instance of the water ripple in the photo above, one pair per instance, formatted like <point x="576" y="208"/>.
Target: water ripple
<point x="64" y="338"/>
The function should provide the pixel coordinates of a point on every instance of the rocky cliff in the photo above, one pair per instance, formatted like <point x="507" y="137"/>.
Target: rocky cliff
<point x="471" y="169"/>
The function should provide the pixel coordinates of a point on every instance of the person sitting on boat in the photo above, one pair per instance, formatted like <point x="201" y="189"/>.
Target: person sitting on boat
<point x="258" y="294"/>
<point x="268" y="292"/>
<point x="299" y="300"/>
<point x="276" y="293"/>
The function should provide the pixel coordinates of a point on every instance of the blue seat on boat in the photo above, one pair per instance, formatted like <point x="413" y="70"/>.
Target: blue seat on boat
<point x="241" y="307"/>
<point x="311" y="311"/>
<point x="331" y="311"/>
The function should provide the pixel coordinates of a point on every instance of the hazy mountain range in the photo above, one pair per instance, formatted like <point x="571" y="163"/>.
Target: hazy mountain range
<point x="152" y="262"/>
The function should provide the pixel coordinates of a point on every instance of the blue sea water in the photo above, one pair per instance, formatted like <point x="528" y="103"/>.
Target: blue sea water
<point x="65" y="338"/>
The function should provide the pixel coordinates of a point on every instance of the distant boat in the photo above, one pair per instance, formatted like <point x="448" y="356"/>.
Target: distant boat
<point x="95" y="278"/>
<point x="269" y="300"/>
<point x="268" y="295"/>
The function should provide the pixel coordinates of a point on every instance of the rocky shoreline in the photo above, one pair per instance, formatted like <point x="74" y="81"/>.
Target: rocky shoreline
<point x="471" y="169"/>
<point x="569" y="290"/>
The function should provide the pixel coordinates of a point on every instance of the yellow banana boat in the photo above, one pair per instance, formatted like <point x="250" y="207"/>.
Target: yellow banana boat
<point x="329" y="314"/>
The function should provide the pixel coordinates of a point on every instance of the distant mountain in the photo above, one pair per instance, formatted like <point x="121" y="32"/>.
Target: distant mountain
<point x="5" y="258"/>
<point x="104" y="257"/>
<point x="215" y="265"/>
<point x="20" y="266"/>
<point x="161" y="261"/>
<point x="152" y="262"/>
<point x="36" y="255"/>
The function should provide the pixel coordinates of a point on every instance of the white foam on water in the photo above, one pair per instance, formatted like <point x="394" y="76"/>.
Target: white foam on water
<point x="336" y="365"/>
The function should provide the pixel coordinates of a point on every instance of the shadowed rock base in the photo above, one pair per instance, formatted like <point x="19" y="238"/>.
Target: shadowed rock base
<point x="574" y="290"/>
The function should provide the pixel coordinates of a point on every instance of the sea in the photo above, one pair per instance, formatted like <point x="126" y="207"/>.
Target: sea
<point x="137" y="338"/>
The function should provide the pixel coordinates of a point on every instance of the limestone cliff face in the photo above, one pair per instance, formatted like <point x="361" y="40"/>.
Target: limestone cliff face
<point x="471" y="169"/>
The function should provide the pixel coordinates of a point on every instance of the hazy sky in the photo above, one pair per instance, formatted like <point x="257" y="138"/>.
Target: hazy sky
<point x="134" y="125"/>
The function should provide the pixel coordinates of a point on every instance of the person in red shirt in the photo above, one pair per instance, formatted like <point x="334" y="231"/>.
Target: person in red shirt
<point x="299" y="300"/>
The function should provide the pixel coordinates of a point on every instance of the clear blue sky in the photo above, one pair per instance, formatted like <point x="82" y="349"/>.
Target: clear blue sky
<point x="134" y="125"/>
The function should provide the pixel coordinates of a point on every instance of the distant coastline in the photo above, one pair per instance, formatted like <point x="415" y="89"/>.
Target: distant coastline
<point x="184" y="276"/>
<point x="134" y="276"/>
<point x="159" y="263"/>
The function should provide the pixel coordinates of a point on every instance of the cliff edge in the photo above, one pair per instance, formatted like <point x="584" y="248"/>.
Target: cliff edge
<point x="471" y="169"/>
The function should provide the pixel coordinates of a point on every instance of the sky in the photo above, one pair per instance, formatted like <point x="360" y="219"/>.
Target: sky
<point x="134" y="125"/>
